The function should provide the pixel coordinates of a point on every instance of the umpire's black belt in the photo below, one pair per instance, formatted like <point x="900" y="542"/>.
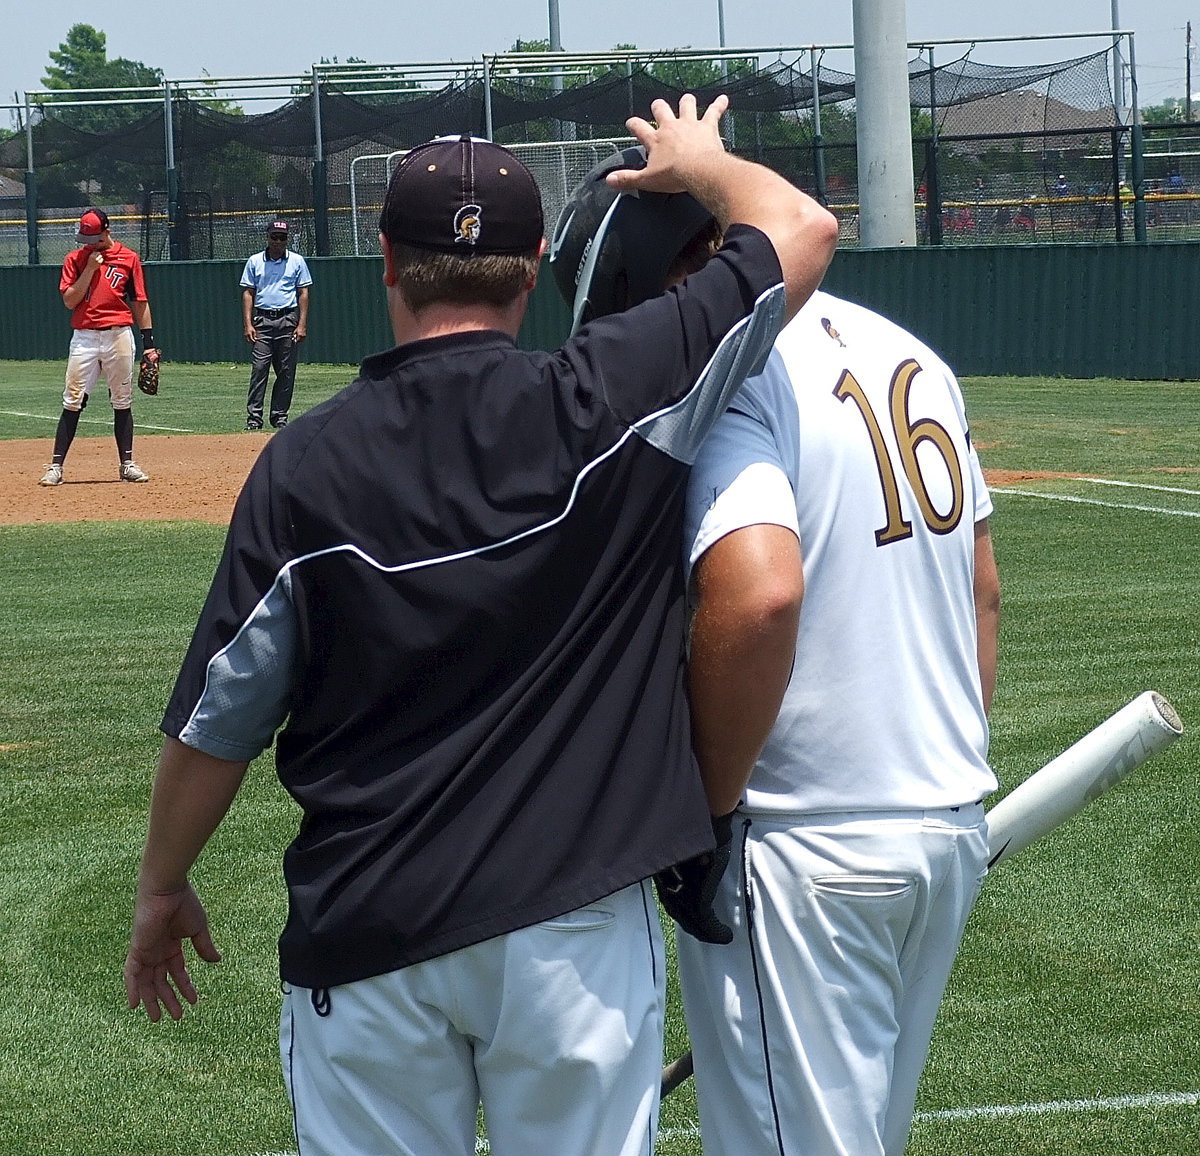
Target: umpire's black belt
<point x="276" y="312"/>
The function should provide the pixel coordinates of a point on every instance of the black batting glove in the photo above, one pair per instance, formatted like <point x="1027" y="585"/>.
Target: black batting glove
<point x="687" y="890"/>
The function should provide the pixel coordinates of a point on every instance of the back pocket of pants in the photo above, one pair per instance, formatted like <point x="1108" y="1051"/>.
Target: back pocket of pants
<point x="590" y="918"/>
<point x="863" y="886"/>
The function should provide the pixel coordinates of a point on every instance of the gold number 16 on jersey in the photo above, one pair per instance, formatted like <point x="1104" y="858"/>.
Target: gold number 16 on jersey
<point x="909" y="435"/>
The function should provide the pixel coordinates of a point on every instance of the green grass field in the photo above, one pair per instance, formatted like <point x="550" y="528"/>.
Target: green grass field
<point x="208" y="399"/>
<point x="1072" y="1024"/>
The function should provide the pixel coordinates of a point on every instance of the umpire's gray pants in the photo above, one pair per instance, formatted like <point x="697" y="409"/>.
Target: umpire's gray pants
<point x="275" y="346"/>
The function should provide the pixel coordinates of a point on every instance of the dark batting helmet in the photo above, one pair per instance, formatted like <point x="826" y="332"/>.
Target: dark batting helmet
<point x="610" y="250"/>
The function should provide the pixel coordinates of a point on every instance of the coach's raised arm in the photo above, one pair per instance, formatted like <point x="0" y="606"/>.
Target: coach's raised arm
<point x="685" y="154"/>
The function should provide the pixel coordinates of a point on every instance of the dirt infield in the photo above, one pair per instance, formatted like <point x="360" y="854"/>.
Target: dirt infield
<point x="193" y="477"/>
<point x="1013" y="477"/>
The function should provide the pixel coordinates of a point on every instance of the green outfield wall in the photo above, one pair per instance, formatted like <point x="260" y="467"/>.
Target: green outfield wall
<point x="197" y="308"/>
<point x="1127" y="311"/>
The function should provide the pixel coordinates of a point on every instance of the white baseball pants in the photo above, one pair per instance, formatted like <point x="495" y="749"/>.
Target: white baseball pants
<point x="557" y="1029"/>
<point x="96" y="351"/>
<point x="811" y="1029"/>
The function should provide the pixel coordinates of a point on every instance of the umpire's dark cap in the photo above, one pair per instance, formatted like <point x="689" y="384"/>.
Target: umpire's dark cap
<point x="463" y="195"/>
<point x="277" y="227"/>
<point x="91" y="226"/>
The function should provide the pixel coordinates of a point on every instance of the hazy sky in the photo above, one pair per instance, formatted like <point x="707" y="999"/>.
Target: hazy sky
<point x="244" y="37"/>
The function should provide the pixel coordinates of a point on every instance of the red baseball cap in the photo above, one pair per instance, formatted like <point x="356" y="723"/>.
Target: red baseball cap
<point x="91" y="226"/>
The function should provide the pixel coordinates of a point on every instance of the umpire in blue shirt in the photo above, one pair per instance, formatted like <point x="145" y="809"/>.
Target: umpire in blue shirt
<point x="275" y="320"/>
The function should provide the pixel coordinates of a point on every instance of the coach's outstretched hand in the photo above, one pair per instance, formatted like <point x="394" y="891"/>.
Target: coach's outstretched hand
<point x="687" y="890"/>
<point x="156" y="973"/>
<point x="192" y="792"/>
<point x="678" y="146"/>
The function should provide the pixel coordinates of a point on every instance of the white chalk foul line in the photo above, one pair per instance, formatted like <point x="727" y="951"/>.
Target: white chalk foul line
<point x="1140" y="486"/>
<point x="92" y="421"/>
<point x="981" y="1112"/>
<point x="1061" y="1107"/>
<point x="1095" y="502"/>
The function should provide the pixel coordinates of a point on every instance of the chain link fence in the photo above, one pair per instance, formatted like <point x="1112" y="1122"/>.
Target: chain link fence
<point x="1002" y="154"/>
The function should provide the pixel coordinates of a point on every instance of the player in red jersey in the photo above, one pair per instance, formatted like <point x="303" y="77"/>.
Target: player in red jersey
<point x="103" y="285"/>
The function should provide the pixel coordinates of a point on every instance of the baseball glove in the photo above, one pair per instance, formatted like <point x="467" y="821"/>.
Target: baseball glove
<point x="688" y="889"/>
<point x="148" y="375"/>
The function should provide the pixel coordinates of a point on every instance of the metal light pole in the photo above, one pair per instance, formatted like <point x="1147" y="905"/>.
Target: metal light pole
<point x="1136" y="152"/>
<point x="1187" y="65"/>
<point x="174" y="246"/>
<point x="881" y="92"/>
<point x="1118" y="85"/>
<point x="730" y="135"/>
<point x="566" y="129"/>
<point x="814" y="70"/>
<point x="320" y="175"/>
<point x="31" y="198"/>
<point x="1118" y="71"/>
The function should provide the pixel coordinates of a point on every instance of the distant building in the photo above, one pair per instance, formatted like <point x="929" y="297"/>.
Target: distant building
<point x="1023" y="113"/>
<point x="12" y="188"/>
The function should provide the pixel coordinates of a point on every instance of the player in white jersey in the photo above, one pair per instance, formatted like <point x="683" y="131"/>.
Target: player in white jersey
<point x="843" y="577"/>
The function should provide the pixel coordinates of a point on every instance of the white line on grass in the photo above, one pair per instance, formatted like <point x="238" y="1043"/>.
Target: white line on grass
<point x="92" y="421"/>
<point x="1059" y="1107"/>
<point x="981" y="1112"/>
<point x="1095" y="502"/>
<point x="1140" y="486"/>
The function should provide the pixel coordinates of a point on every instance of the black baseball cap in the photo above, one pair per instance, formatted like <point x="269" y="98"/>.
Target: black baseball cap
<point x="463" y="195"/>
<point x="277" y="227"/>
<point x="91" y="225"/>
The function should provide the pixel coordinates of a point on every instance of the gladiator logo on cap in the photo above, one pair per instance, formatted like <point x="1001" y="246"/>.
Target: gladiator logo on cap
<point x="466" y="225"/>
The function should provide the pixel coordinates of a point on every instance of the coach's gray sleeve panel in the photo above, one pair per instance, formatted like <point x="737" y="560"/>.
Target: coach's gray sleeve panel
<point x="679" y="430"/>
<point x="247" y="686"/>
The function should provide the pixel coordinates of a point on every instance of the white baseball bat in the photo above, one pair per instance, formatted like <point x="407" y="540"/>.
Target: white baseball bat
<point x="1083" y="772"/>
<point x="1050" y="796"/>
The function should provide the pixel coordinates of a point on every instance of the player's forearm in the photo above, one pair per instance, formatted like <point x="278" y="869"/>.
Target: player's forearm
<point x="749" y="588"/>
<point x="192" y="793"/>
<point x="141" y="314"/>
<point x="987" y="611"/>
<point x="74" y="294"/>
<point x="731" y="721"/>
<point x="737" y="675"/>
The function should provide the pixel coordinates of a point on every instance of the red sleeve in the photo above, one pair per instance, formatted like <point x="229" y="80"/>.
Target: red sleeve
<point x="70" y="271"/>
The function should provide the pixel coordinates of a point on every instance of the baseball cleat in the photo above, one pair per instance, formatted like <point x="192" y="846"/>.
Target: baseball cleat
<point x="132" y="472"/>
<point x="52" y="476"/>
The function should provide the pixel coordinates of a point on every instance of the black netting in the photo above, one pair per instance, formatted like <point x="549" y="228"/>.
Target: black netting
<point x="1000" y="152"/>
<point x="60" y="139"/>
<point x="1083" y="83"/>
<point x="1023" y="154"/>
